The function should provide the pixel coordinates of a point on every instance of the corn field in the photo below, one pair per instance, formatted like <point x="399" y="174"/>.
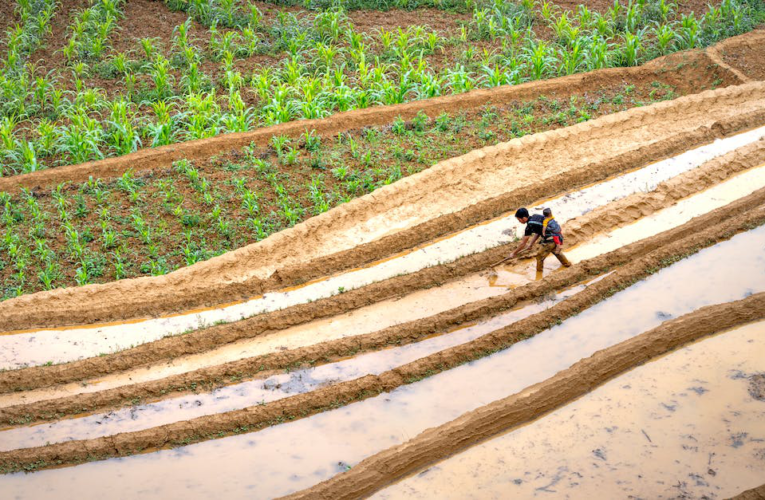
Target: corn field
<point x="316" y="63"/>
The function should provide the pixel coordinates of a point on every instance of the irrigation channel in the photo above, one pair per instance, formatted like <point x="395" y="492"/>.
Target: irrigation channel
<point x="417" y="304"/>
<point x="690" y="425"/>
<point x="62" y="345"/>
<point x="470" y="288"/>
<point x="298" y="454"/>
<point x="259" y="391"/>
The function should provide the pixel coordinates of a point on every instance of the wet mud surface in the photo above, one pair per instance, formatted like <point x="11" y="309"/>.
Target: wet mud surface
<point x="270" y="389"/>
<point x="626" y="310"/>
<point x="605" y="218"/>
<point x="254" y="417"/>
<point x="41" y="347"/>
<point x="407" y="332"/>
<point x="683" y="426"/>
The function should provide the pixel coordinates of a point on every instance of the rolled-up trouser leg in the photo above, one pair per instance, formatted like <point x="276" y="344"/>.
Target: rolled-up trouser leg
<point x="547" y="249"/>
<point x="562" y="258"/>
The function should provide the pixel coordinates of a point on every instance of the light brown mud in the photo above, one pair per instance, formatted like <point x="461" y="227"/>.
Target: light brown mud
<point x="435" y="444"/>
<point x="605" y="218"/>
<point x="445" y="198"/>
<point x="683" y="425"/>
<point x="757" y="493"/>
<point x="256" y="417"/>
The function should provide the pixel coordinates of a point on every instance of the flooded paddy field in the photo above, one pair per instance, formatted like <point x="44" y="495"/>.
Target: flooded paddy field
<point x="691" y="424"/>
<point x="322" y="445"/>
<point x="320" y="359"/>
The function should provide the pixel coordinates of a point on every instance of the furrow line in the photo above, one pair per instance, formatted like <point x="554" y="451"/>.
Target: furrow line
<point x="150" y="158"/>
<point x="375" y="472"/>
<point x="263" y="365"/>
<point x="257" y="417"/>
<point x="619" y="213"/>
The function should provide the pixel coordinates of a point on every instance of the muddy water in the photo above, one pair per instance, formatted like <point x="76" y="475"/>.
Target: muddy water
<point x="255" y="392"/>
<point x="298" y="454"/>
<point x="715" y="197"/>
<point x="421" y="303"/>
<point x="686" y="425"/>
<point x="361" y="321"/>
<point x="66" y="345"/>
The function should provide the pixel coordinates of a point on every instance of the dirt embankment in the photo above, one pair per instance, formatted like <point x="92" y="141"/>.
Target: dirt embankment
<point x="742" y="55"/>
<point x="603" y="218"/>
<point x="299" y="406"/>
<point x="326" y="352"/>
<point x="438" y="443"/>
<point x="447" y="197"/>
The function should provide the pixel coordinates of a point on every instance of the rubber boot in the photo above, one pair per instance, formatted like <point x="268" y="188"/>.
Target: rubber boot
<point x="563" y="260"/>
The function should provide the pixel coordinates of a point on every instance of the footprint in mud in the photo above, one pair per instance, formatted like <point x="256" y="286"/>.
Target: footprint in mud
<point x="737" y="440"/>
<point x="663" y="315"/>
<point x="757" y="386"/>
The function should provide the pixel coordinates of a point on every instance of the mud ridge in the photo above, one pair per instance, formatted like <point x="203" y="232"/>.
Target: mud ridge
<point x="150" y="158"/>
<point x="757" y="493"/>
<point x="438" y="443"/>
<point x="256" y="417"/>
<point x="622" y="212"/>
<point x="449" y="196"/>
<point x="603" y="218"/>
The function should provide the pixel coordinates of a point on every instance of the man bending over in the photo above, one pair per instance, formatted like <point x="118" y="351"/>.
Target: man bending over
<point x="552" y="238"/>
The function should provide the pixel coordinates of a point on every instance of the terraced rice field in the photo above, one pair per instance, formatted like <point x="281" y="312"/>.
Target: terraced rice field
<point x="317" y="308"/>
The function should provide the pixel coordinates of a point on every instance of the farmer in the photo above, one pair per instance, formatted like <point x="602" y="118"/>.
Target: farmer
<point x="552" y="238"/>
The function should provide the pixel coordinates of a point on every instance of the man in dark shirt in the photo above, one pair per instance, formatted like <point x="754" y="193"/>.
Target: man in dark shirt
<point x="534" y="226"/>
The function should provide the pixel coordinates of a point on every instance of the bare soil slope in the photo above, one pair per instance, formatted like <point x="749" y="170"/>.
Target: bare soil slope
<point x="743" y="54"/>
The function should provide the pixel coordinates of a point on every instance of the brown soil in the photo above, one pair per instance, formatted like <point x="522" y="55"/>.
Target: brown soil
<point x="603" y="218"/>
<point x="150" y="19"/>
<point x="261" y="366"/>
<point x="371" y="21"/>
<point x="757" y="493"/>
<point x="580" y="381"/>
<point x="737" y="52"/>
<point x="484" y="184"/>
<point x="375" y="472"/>
<point x="8" y="20"/>
<point x="47" y="57"/>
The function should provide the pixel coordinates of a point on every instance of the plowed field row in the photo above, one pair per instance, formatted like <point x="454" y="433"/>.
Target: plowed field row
<point x="651" y="272"/>
<point x="344" y="392"/>
<point x="605" y="218"/>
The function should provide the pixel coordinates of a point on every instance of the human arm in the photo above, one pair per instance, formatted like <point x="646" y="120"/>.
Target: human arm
<point x="523" y="245"/>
